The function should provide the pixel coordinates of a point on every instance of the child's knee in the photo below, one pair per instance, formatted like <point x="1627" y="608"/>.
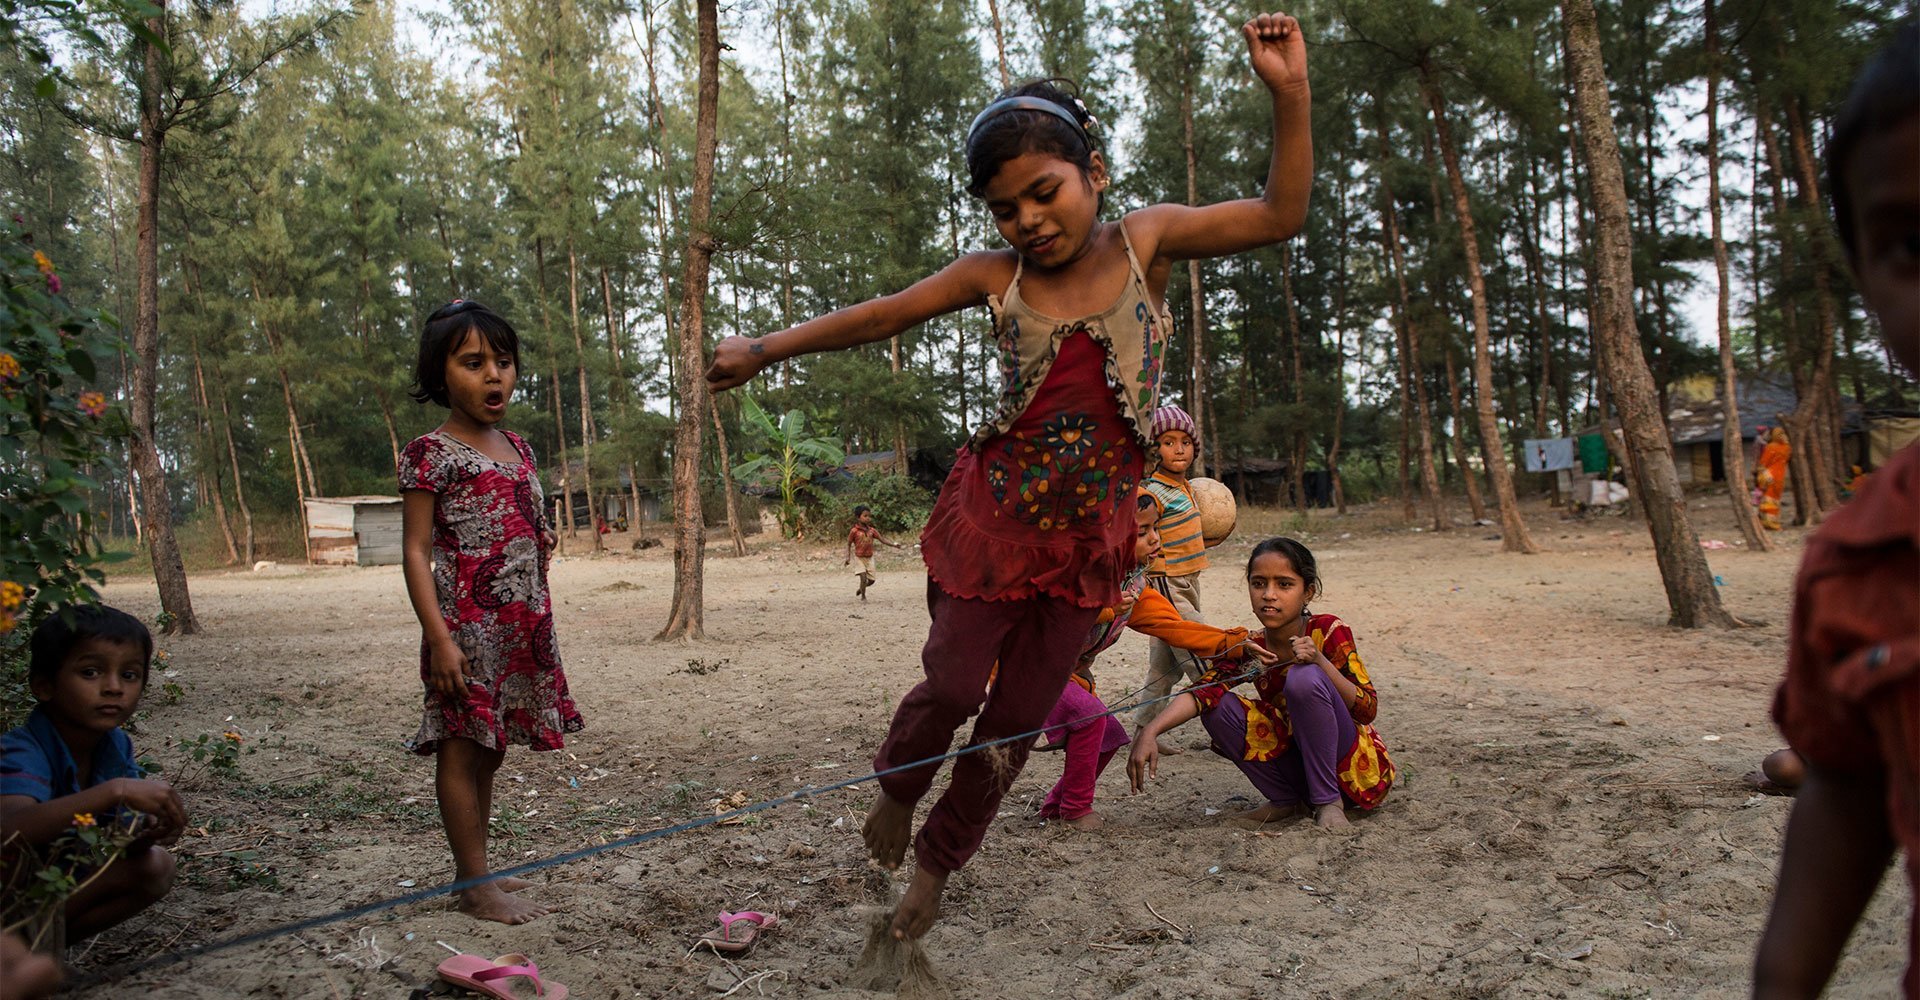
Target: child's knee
<point x="152" y="873"/>
<point x="1306" y="681"/>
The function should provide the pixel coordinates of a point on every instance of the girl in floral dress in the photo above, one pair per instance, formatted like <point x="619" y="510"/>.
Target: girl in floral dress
<point x="1033" y="530"/>
<point x="1306" y="738"/>
<point x="476" y="547"/>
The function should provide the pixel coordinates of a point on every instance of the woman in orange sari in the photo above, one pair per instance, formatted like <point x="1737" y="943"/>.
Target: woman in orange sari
<point x="1770" y="476"/>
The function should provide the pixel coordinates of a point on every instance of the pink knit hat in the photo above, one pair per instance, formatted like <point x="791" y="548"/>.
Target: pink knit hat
<point x="1171" y="418"/>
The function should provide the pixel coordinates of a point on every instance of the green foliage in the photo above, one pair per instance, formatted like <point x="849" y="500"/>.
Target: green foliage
<point x="899" y="504"/>
<point x="784" y="458"/>
<point x="57" y="437"/>
<point x="40" y="878"/>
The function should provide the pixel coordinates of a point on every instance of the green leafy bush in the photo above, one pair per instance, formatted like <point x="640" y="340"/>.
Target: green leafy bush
<point x="57" y="437"/>
<point x="899" y="505"/>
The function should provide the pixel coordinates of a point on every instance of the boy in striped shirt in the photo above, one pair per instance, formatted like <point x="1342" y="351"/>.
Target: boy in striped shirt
<point x="1183" y="554"/>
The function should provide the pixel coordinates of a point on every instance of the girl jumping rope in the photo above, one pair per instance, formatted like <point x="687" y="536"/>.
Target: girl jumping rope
<point x="1306" y="739"/>
<point x="476" y="549"/>
<point x="1033" y="530"/>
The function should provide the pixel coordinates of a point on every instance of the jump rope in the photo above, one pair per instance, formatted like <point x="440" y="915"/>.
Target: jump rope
<point x="177" y="956"/>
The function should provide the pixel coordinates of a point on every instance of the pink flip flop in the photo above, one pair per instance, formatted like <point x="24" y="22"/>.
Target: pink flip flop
<point x="482" y="976"/>
<point x="727" y="940"/>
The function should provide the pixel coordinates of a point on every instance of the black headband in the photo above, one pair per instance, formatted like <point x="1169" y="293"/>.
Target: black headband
<point x="1024" y="103"/>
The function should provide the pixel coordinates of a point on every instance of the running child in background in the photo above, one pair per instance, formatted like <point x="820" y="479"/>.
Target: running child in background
<point x="1176" y="571"/>
<point x="72" y="765"/>
<point x="860" y="546"/>
<point x="1306" y="738"/>
<point x="476" y="548"/>
<point x="1032" y="533"/>
<point x="1850" y="704"/>
<point x="1079" y="719"/>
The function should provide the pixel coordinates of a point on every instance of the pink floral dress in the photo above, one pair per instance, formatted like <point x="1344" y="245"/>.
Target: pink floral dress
<point x="489" y="573"/>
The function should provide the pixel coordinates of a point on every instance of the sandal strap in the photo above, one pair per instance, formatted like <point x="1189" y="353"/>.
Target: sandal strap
<point x="524" y="967"/>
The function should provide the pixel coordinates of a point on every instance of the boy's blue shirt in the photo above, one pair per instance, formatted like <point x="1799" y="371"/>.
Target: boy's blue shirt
<point x="36" y="762"/>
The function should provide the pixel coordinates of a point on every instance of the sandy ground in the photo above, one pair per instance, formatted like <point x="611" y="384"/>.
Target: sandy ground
<point x="1569" y="821"/>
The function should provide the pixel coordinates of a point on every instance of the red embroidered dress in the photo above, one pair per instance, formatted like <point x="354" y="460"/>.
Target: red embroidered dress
<point x="1033" y="506"/>
<point x="1365" y="772"/>
<point x="488" y="572"/>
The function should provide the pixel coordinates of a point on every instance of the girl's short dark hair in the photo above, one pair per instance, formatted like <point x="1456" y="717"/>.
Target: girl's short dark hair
<point x="1293" y="552"/>
<point x="1013" y="133"/>
<point x="54" y="638"/>
<point x="860" y="508"/>
<point x="445" y="330"/>
<point x="1886" y="93"/>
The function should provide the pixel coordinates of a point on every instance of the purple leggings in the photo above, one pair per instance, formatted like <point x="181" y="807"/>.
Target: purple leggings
<point x="1322" y="730"/>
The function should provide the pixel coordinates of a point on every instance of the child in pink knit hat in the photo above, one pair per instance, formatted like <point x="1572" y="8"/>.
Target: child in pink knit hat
<point x="1175" y="573"/>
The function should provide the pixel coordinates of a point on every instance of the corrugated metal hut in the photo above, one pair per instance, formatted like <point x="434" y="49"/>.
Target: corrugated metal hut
<point x="354" y="531"/>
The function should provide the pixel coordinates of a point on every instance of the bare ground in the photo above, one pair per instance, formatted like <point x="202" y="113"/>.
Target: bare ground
<point x="1569" y="823"/>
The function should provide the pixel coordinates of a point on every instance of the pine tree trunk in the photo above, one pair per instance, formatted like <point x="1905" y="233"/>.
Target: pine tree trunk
<point x="1683" y="567"/>
<point x="564" y="500"/>
<point x="1000" y="44"/>
<point x="727" y="488"/>
<point x="1296" y="443"/>
<point x="1476" y="504"/>
<point x="1814" y="412"/>
<point x="1343" y="226"/>
<point x="1195" y="281"/>
<point x="1513" y="530"/>
<point x="690" y="530"/>
<point x="206" y="427"/>
<point x="239" y="488"/>
<point x="1408" y="338"/>
<point x="594" y="513"/>
<point x="169" y="572"/>
<point x="1732" y="442"/>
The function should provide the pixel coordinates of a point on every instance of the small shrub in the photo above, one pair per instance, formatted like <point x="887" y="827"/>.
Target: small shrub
<point x="899" y="505"/>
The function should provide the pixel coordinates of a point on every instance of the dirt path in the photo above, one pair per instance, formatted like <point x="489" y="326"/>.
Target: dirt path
<point x="1569" y="821"/>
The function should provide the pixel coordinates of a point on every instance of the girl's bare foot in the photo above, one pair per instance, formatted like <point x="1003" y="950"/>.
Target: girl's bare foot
<point x="1270" y="813"/>
<point x="1331" y="816"/>
<point x="488" y="902"/>
<point x="887" y="830"/>
<point x="920" y="907"/>
<point x="508" y="883"/>
<point x="1090" y="821"/>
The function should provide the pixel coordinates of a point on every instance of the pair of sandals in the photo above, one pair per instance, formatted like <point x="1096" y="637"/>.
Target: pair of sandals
<point x="490" y="977"/>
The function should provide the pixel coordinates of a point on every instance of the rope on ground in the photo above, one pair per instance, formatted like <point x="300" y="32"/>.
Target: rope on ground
<point x="164" y="959"/>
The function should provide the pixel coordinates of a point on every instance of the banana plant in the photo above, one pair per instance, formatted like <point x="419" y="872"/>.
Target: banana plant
<point x="790" y="458"/>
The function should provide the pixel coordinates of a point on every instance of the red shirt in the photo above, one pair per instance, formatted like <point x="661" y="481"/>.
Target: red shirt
<point x="1851" y="698"/>
<point x="862" y="537"/>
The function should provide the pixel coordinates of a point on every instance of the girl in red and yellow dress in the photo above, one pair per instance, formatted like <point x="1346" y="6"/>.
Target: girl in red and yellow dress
<point x="1306" y="739"/>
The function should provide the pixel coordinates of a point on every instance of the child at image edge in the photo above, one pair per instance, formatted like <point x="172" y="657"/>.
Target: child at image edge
<point x="1850" y="704"/>
<point x="1176" y="571"/>
<point x="1033" y="530"/>
<point x="475" y="559"/>
<point x="72" y="764"/>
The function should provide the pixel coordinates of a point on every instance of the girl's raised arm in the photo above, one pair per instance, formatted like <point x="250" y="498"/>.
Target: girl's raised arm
<point x="1180" y="232"/>
<point x="965" y="282"/>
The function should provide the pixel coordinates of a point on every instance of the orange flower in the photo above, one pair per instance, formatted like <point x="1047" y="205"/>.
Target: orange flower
<point x="93" y="403"/>
<point x="7" y="622"/>
<point x="11" y="594"/>
<point x="9" y="366"/>
<point x="40" y="261"/>
<point x="83" y="819"/>
<point x="233" y="737"/>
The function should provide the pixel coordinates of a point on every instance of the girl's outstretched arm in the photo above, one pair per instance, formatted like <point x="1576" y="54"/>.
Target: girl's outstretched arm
<point x="965" y="282"/>
<point x="1173" y="232"/>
